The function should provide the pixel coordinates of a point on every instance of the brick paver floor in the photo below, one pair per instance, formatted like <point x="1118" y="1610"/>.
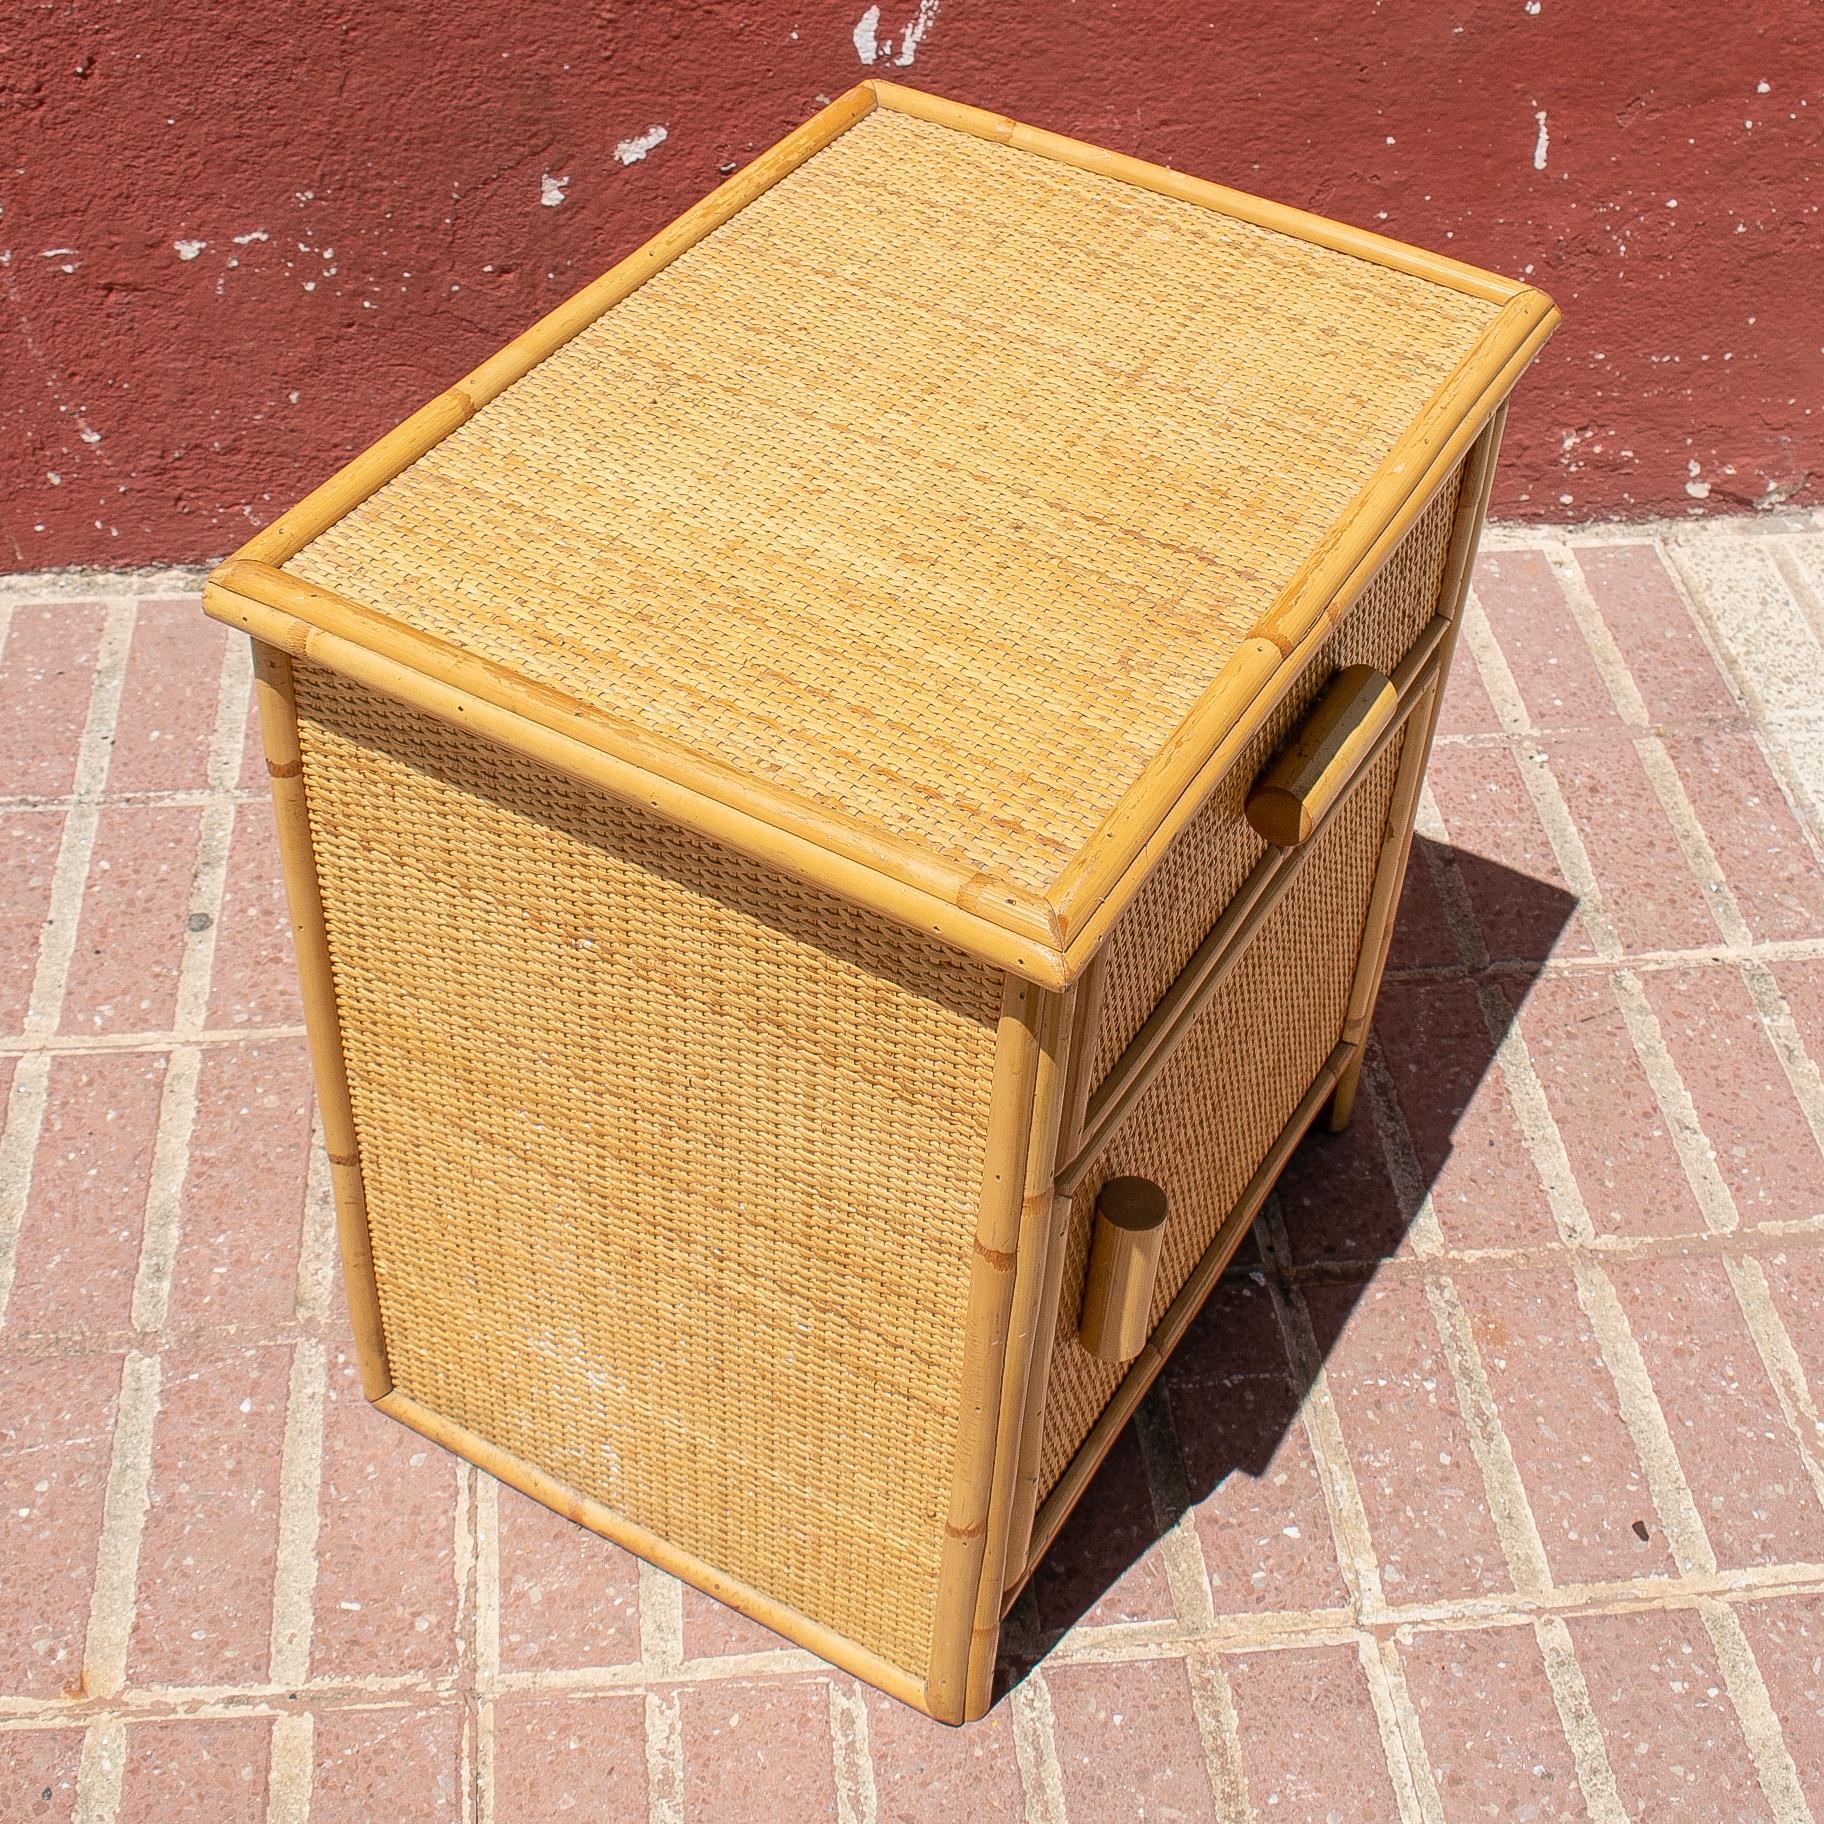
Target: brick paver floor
<point x="1490" y="1484"/>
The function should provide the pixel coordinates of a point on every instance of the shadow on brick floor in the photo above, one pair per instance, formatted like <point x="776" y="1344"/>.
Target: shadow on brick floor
<point x="1234" y="1388"/>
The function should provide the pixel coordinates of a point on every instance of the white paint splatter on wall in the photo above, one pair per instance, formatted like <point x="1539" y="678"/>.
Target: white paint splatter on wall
<point x="914" y="34"/>
<point x="551" y="190"/>
<point x="631" y="151"/>
<point x="867" y="46"/>
<point x="1540" y="144"/>
<point x="870" y="47"/>
<point x="188" y="250"/>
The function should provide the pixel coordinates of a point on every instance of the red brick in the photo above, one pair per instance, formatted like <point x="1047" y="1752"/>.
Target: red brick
<point x="79" y="1241"/>
<point x="386" y="1555"/>
<point x="1427" y="1509"/>
<point x="1261" y="1518"/>
<point x="1422" y="936"/>
<point x="130" y="933"/>
<point x="1652" y="898"/>
<point x="1671" y="666"/>
<point x="1491" y="1731"/>
<point x="1542" y="643"/>
<point x="256" y="978"/>
<point x="1763" y="854"/>
<point x="928" y="1773"/>
<point x="1739" y="1456"/>
<point x="570" y="1759"/>
<point x="1466" y="709"/>
<point x="1128" y="1744"/>
<point x="47" y="665"/>
<point x="712" y="1630"/>
<point x="1337" y="1198"/>
<point x="204" y="1613"/>
<point x="1802" y="984"/>
<point x="1106" y="1565"/>
<point x="1673" y="1739"/>
<point x="197" y="1768"/>
<point x="167" y="710"/>
<point x="402" y="1766"/>
<point x="1795" y="1278"/>
<point x="56" y="1436"/>
<point x="243" y="1202"/>
<point x="1557" y="1401"/>
<point x="1460" y="1117"/>
<point x="1786" y="1635"/>
<point x="29" y="840"/>
<point x="568" y="1597"/>
<point x="1767" y="1154"/>
<point x="1525" y="910"/>
<point x="758" y="1753"/>
<point x="1624" y="1161"/>
<point x="38" y="1773"/>
<point x="1308" y="1736"/>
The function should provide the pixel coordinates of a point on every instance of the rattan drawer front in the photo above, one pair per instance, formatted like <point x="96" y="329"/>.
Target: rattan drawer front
<point x="1186" y="895"/>
<point x="1213" y="1112"/>
<point x="672" y="1165"/>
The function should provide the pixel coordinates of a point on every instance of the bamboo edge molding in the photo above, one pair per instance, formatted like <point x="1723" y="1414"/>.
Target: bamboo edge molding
<point x="1046" y="939"/>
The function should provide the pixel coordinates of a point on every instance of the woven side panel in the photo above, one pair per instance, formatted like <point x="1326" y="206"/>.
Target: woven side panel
<point x="673" y="1166"/>
<point x="1210" y="1115"/>
<point x="1186" y="894"/>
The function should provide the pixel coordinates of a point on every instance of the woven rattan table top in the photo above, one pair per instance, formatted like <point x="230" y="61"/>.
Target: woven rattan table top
<point x="930" y="493"/>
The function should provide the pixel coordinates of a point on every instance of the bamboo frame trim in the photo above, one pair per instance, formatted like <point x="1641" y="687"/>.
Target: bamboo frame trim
<point x="1390" y="870"/>
<point x="1025" y="1014"/>
<point x="322" y="1020"/>
<point x="795" y="855"/>
<point x="561" y="1498"/>
<point x="1093" y="889"/>
<point x="1151" y="1048"/>
<point x="1048" y="939"/>
<point x="1453" y="589"/>
<point x="1086" y="1018"/>
<point x="1069" y="1487"/>
<point x="1301" y="224"/>
<point x="1031" y="1276"/>
<point x="653" y="755"/>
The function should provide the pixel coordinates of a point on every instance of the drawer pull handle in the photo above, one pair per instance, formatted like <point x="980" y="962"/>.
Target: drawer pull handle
<point x="1123" y="1263"/>
<point x="1292" y="795"/>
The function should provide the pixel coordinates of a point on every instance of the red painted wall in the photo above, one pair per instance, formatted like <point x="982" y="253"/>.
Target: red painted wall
<point x="239" y="242"/>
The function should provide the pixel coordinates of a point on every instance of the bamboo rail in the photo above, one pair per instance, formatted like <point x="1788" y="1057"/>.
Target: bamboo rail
<point x="791" y="854"/>
<point x="322" y="1021"/>
<point x="1032" y="1275"/>
<point x="1390" y="872"/>
<point x="529" y="1479"/>
<point x="1024" y="1027"/>
<point x="646" y="755"/>
<point x="1381" y="249"/>
<point x="1093" y="889"/>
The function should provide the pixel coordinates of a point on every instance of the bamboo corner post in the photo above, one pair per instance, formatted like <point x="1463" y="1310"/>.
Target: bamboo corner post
<point x="767" y="948"/>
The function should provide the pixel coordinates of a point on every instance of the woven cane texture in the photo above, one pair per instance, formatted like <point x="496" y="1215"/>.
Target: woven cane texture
<point x="672" y="1166"/>
<point x="932" y="489"/>
<point x="1179" y="902"/>
<point x="1210" y="1116"/>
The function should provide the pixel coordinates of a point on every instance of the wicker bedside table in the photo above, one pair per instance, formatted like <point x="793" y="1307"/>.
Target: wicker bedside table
<point x="842" y="800"/>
